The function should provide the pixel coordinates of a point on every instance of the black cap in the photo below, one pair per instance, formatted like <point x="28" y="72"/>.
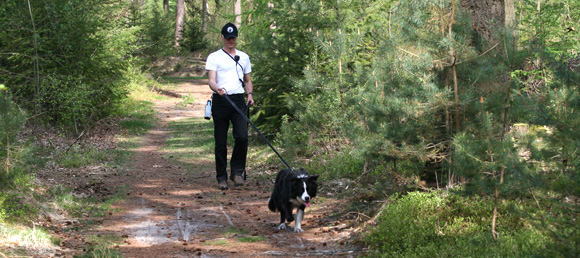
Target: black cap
<point x="230" y="31"/>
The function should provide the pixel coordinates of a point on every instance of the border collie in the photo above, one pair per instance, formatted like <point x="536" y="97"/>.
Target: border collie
<point x="293" y="189"/>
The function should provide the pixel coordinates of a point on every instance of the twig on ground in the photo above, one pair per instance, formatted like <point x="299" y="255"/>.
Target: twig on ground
<point x="78" y="138"/>
<point x="358" y="214"/>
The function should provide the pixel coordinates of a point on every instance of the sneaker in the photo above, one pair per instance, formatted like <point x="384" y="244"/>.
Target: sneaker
<point x="238" y="180"/>
<point x="223" y="185"/>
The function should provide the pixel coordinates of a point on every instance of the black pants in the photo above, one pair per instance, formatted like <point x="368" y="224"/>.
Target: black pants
<point x="223" y="112"/>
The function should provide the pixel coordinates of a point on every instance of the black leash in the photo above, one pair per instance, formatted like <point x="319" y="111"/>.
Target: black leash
<point x="255" y="128"/>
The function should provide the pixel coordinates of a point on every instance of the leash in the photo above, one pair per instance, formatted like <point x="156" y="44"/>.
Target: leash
<point x="255" y="128"/>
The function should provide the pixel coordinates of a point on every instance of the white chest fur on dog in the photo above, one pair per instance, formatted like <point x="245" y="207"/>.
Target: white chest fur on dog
<point x="293" y="189"/>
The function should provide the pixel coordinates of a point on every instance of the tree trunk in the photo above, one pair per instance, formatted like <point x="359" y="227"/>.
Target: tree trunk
<point x="509" y="14"/>
<point x="166" y="6"/>
<point x="238" y="12"/>
<point x="36" y="65"/>
<point x="180" y="13"/>
<point x="487" y="15"/>
<point x="204" y="9"/>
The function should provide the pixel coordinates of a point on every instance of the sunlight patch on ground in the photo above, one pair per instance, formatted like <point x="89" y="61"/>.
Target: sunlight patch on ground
<point x="33" y="240"/>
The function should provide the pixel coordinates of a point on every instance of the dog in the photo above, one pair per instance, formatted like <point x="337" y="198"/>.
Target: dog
<point x="292" y="189"/>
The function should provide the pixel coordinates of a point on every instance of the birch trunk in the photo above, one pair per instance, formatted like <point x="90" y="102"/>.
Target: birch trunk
<point x="238" y="12"/>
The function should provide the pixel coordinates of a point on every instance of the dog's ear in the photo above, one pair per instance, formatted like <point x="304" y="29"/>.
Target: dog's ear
<point x="313" y="178"/>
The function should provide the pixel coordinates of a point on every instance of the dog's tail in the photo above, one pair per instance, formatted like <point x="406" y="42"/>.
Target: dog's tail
<point x="272" y="204"/>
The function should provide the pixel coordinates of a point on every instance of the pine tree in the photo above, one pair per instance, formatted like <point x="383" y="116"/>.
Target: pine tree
<point x="282" y="41"/>
<point x="405" y="103"/>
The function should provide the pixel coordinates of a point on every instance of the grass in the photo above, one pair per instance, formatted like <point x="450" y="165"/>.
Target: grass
<point x="138" y="113"/>
<point x="64" y="200"/>
<point x="251" y="239"/>
<point x="241" y="235"/>
<point x="171" y="79"/>
<point x="102" y="246"/>
<point x="81" y="156"/>
<point x="217" y="242"/>
<point x="234" y="231"/>
<point x="190" y="142"/>
<point x="27" y="238"/>
<point x="186" y="100"/>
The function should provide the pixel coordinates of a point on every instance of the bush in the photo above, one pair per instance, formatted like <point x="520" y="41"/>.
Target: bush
<point x="338" y="165"/>
<point x="193" y="35"/>
<point x="72" y="68"/>
<point x="434" y="225"/>
<point x="13" y="173"/>
<point x="158" y="30"/>
<point x="16" y="207"/>
<point x="11" y="121"/>
<point x="68" y="100"/>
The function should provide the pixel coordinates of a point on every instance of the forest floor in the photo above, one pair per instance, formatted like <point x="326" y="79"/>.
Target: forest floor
<point x="172" y="209"/>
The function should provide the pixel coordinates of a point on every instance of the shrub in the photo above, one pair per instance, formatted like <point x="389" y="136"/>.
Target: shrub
<point x="11" y="121"/>
<point x="158" y="30"/>
<point x="193" y="34"/>
<point x="72" y="68"/>
<point x="435" y="225"/>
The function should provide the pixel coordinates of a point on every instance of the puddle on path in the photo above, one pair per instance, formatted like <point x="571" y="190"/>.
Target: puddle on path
<point x="183" y="226"/>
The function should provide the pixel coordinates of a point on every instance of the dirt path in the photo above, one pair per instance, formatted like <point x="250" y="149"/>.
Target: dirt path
<point x="171" y="211"/>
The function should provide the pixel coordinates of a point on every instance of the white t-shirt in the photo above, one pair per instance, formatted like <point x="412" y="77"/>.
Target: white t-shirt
<point x="228" y="72"/>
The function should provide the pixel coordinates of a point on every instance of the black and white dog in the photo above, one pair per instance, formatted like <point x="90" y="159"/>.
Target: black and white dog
<point x="293" y="189"/>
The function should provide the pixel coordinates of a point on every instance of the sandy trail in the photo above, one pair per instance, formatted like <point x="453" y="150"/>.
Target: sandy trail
<point x="171" y="211"/>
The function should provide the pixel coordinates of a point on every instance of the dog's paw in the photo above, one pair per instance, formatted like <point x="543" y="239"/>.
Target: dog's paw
<point x="282" y="226"/>
<point x="298" y="230"/>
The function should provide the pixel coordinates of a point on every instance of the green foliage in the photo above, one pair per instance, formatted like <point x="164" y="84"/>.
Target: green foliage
<point x="434" y="225"/>
<point x="279" y="54"/>
<point x="550" y="93"/>
<point x="366" y="103"/>
<point x="2" y="209"/>
<point x="11" y="121"/>
<point x="560" y="223"/>
<point x="81" y="48"/>
<point x="193" y="35"/>
<point x="16" y="206"/>
<point x="80" y="156"/>
<point x="14" y="174"/>
<point x="558" y="174"/>
<point x="551" y="27"/>
<point x="68" y="100"/>
<point x="15" y="178"/>
<point x="337" y="165"/>
<point x="158" y="29"/>
<point x="487" y="160"/>
<point x="186" y="100"/>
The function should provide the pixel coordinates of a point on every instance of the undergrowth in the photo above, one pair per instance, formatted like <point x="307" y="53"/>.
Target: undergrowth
<point x="441" y="224"/>
<point x="101" y="246"/>
<point x="37" y="239"/>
